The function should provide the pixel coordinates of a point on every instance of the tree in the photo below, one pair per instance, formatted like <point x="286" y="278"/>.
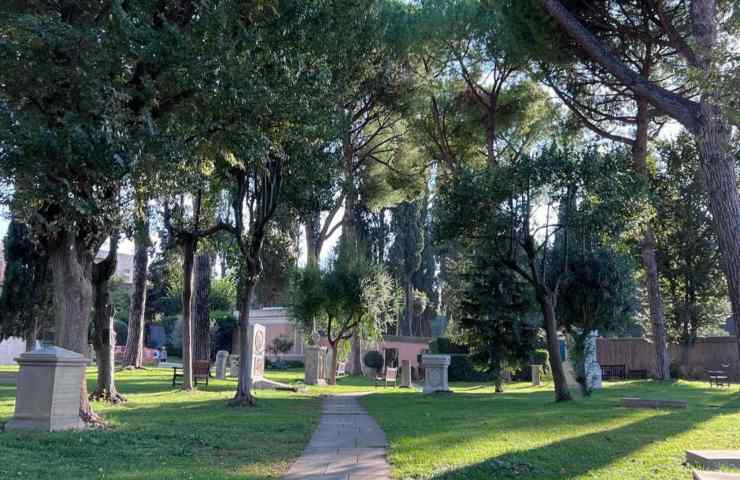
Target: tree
<point x="26" y="308"/>
<point x="103" y="338"/>
<point x="695" y="31"/>
<point x="351" y="298"/>
<point x="134" y="353"/>
<point x="405" y="255"/>
<point x="495" y="210"/>
<point x="687" y="244"/>
<point x="201" y="308"/>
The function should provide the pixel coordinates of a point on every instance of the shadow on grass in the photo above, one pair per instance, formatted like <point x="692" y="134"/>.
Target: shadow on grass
<point x="168" y="434"/>
<point x="465" y="422"/>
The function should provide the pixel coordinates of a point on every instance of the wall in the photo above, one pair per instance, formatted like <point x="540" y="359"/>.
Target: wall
<point x="705" y="354"/>
<point x="277" y="322"/>
<point x="10" y="348"/>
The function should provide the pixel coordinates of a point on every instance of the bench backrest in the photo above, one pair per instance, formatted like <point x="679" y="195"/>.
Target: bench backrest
<point x="201" y="367"/>
<point x="391" y="374"/>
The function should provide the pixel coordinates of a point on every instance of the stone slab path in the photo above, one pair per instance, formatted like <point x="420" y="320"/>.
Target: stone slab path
<point x="347" y="445"/>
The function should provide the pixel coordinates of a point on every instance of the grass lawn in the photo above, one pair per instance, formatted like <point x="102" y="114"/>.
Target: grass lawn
<point x="164" y="433"/>
<point x="476" y="434"/>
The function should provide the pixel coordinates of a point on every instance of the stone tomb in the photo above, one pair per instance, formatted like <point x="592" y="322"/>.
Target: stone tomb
<point x="435" y="373"/>
<point x="714" y="459"/>
<point x="48" y="394"/>
<point x="314" y="358"/>
<point x="257" y="344"/>
<point x="222" y="357"/>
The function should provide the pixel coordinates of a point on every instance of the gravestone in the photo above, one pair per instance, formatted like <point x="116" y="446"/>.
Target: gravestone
<point x="714" y="459"/>
<point x="234" y="365"/>
<point x="222" y="357"/>
<point x="536" y="372"/>
<point x="435" y="373"/>
<point x="405" y="374"/>
<point x="257" y="349"/>
<point x="314" y="359"/>
<point x="592" y="369"/>
<point x="48" y="393"/>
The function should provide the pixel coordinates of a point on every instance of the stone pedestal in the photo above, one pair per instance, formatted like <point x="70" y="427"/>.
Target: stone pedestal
<point x="48" y="394"/>
<point x="405" y="374"/>
<point x="536" y="372"/>
<point x="234" y="365"/>
<point x="222" y="357"/>
<point x="592" y="369"/>
<point x="314" y="358"/>
<point x="435" y="373"/>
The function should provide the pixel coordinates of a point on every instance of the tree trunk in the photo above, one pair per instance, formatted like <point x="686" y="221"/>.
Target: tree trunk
<point x="356" y="353"/>
<point x="334" y="362"/>
<point x="409" y="312"/>
<point x="647" y="250"/>
<point x="32" y="334"/>
<point x="71" y="268"/>
<point x="188" y="252"/>
<point x="553" y="346"/>
<point x="313" y="238"/>
<point x="202" y="320"/>
<point x="349" y="231"/>
<point x="243" y="396"/>
<point x="134" y="353"/>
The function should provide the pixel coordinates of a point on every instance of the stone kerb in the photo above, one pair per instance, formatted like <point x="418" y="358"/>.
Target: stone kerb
<point x="435" y="377"/>
<point x="48" y="393"/>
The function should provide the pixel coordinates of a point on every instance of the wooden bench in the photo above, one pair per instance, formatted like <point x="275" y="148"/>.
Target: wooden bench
<point x="201" y="370"/>
<point x="391" y="375"/>
<point x="613" y="372"/>
<point x="719" y="378"/>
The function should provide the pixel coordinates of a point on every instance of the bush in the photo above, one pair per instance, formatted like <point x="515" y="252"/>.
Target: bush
<point x="461" y="368"/>
<point x="373" y="359"/>
<point x="541" y="357"/>
<point x="445" y="346"/>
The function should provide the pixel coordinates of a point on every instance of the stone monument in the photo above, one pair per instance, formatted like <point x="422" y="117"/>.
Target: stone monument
<point x="48" y="394"/>
<point x="222" y="357"/>
<point x="257" y="343"/>
<point x="234" y="365"/>
<point x="591" y="366"/>
<point x="536" y="372"/>
<point x="435" y="373"/>
<point x="314" y="358"/>
<point x="405" y="374"/>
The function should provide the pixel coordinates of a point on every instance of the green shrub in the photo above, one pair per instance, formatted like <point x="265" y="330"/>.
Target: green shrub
<point x="541" y="357"/>
<point x="373" y="359"/>
<point x="445" y="346"/>
<point x="461" y="368"/>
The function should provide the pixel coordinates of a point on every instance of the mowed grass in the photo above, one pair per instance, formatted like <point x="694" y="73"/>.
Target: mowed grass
<point x="477" y="434"/>
<point x="165" y="433"/>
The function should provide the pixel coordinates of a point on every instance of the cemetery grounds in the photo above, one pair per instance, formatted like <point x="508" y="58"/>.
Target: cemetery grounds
<point x="165" y="433"/>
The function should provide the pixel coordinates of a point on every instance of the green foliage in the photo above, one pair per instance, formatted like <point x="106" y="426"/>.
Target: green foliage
<point x="25" y="301"/>
<point x="373" y="359"/>
<point x="541" y="357"/>
<point x="461" y="369"/>
<point x="444" y="345"/>
<point x="695" y="292"/>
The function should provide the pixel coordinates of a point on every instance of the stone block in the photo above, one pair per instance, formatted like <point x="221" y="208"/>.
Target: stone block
<point x="405" y="374"/>
<point x="222" y="357"/>
<point x="49" y="390"/>
<point x="536" y="372"/>
<point x="314" y="359"/>
<point x="234" y="365"/>
<point x="700" y="475"/>
<point x="650" y="403"/>
<point x="435" y="373"/>
<point x="257" y="341"/>
<point x="714" y="459"/>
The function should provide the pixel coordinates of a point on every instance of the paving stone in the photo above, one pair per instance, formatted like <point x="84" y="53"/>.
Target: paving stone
<point x="348" y="444"/>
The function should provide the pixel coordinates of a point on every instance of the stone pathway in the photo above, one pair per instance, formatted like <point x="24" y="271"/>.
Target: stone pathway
<point x="347" y="445"/>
